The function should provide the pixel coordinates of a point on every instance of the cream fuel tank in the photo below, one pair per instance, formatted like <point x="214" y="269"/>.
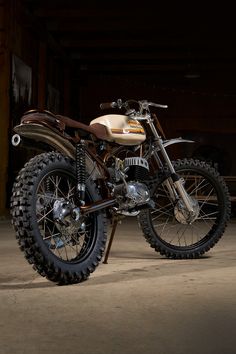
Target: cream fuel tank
<point x="122" y="129"/>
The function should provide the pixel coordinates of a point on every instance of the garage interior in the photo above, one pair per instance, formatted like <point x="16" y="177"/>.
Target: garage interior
<point x="76" y="55"/>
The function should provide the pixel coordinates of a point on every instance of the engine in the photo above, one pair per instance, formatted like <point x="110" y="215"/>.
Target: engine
<point x="128" y="184"/>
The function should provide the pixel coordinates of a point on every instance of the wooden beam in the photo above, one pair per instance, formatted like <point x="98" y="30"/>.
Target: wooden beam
<point x="106" y="25"/>
<point x="68" y="42"/>
<point x="80" y="11"/>
<point x="133" y="68"/>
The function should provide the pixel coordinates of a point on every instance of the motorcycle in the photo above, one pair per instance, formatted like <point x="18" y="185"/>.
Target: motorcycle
<point x="116" y="166"/>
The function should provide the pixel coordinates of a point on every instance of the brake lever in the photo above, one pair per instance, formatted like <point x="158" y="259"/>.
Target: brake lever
<point x="145" y="105"/>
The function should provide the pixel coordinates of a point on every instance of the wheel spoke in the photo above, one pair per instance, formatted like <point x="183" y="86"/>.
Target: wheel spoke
<point x="66" y="242"/>
<point x="211" y="215"/>
<point x="45" y="216"/>
<point x="197" y="187"/>
<point x="172" y="230"/>
<point x="167" y="212"/>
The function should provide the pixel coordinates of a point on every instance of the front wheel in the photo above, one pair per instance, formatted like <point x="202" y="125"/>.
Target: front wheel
<point x="64" y="250"/>
<point x="168" y="229"/>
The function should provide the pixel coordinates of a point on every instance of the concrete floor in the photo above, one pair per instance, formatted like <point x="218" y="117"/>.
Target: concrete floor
<point x="140" y="302"/>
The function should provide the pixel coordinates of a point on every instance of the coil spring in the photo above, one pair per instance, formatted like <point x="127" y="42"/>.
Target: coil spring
<point x="80" y="171"/>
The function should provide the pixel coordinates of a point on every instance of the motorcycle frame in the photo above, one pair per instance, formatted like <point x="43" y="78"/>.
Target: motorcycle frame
<point x="96" y="166"/>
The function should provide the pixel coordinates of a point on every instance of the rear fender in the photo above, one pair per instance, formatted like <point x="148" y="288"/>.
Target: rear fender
<point x="39" y="133"/>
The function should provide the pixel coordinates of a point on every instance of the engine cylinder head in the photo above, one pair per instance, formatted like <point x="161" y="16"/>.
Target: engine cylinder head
<point x="136" y="161"/>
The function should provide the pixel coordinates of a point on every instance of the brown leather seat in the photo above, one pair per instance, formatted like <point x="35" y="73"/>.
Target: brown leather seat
<point x="61" y="122"/>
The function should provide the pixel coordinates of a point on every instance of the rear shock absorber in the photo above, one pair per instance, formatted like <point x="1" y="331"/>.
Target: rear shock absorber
<point x="80" y="172"/>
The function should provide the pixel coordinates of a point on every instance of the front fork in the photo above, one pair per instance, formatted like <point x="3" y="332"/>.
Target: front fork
<point x="175" y="186"/>
<point x="179" y="185"/>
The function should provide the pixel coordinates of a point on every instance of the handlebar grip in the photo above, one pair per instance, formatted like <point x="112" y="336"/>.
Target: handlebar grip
<point x="163" y="105"/>
<point x="158" y="105"/>
<point x="108" y="105"/>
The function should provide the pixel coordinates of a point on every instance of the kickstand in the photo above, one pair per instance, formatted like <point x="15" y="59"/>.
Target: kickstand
<point x="115" y="222"/>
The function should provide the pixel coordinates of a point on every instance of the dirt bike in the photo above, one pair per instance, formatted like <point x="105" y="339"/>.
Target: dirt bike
<point x="114" y="167"/>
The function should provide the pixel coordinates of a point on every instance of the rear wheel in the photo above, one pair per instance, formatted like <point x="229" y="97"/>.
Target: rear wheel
<point x="168" y="228"/>
<point x="67" y="249"/>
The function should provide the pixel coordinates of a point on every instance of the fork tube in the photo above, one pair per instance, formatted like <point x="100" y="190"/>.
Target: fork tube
<point x="160" y="145"/>
<point x="175" y="178"/>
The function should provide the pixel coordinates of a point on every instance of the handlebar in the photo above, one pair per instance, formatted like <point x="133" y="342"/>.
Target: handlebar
<point x="143" y="105"/>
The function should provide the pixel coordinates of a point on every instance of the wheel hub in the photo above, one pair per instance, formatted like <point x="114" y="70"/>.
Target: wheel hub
<point x="67" y="218"/>
<point x="183" y="216"/>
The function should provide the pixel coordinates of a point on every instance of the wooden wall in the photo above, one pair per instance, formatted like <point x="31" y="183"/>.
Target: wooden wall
<point x="4" y="101"/>
<point x="198" y="109"/>
<point x="20" y="36"/>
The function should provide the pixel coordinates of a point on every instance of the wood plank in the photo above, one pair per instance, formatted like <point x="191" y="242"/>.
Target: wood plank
<point x="117" y="43"/>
